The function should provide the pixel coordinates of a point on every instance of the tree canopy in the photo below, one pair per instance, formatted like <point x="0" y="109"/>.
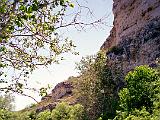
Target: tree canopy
<point x="30" y="37"/>
<point x="95" y="86"/>
<point x="140" y="100"/>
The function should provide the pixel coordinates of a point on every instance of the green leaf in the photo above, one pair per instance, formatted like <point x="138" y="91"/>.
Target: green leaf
<point x="30" y="9"/>
<point x="2" y="10"/>
<point x="33" y="16"/>
<point x="52" y="28"/>
<point x="2" y="49"/>
<point x="11" y="27"/>
<point x="18" y="23"/>
<point x="22" y="7"/>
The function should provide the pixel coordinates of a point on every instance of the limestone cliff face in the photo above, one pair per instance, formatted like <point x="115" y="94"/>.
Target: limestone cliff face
<point x="135" y="38"/>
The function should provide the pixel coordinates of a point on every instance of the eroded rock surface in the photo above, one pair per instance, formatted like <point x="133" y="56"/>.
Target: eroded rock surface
<point x="61" y="91"/>
<point x="135" y="38"/>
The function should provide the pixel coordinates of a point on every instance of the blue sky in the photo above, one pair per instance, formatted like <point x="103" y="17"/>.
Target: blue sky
<point x="88" y="43"/>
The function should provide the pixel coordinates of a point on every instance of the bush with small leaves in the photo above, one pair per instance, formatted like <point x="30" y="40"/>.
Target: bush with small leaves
<point x="140" y="100"/>
<point x="7" y="115"/>
<point x="64" y="111"/>
<point x="46" y="115"/>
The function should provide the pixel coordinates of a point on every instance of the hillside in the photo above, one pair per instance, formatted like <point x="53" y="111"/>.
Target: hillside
<point x="120" y="82"/>
<point x="134" y="40"/>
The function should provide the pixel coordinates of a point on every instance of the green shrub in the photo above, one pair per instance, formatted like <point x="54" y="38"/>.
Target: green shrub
<point x="63" y="111"/>
<point x="140" y="100"/>
<point x="7" y="115"/>
<point x="45" y="115"/>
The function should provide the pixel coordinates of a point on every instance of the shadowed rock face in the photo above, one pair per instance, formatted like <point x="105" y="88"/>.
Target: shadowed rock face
<point x="61" y="90"/>
<point x="50" y="107"/>
<point x="136" y="34"/>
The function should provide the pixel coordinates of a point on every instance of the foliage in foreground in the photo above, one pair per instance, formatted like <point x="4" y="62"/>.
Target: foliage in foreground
<point x="29" y="38"/>
<point x="32" y="35"/>
<point x="140" y="100"/>
<point x="63" y="111"/>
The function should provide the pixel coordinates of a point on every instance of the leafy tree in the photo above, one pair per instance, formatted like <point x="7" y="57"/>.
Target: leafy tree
<point x="86" y="84"/>
<point x="6" y="106"/>
<point x="30" y="37"/>
<point x="27" y="29"/>
<point x="27" y="115"/>
<point x="141" y="98"/>
<point x="96" y="86"/>
<point x="61" y="112"/>
<point x="77" y="112"/>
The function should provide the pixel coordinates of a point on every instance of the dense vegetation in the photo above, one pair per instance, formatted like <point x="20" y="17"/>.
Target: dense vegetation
<point x="96" y="86"/>
<point x="138" y="100"/>
<point x="62" y="112"/>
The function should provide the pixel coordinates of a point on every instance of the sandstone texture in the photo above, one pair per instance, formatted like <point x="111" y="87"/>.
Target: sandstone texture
<point x="135" y="38"/>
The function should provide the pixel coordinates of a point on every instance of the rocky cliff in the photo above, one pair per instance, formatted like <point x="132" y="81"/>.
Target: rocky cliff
<point x="135" y="38"/>
<point x="61" y="92"/>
